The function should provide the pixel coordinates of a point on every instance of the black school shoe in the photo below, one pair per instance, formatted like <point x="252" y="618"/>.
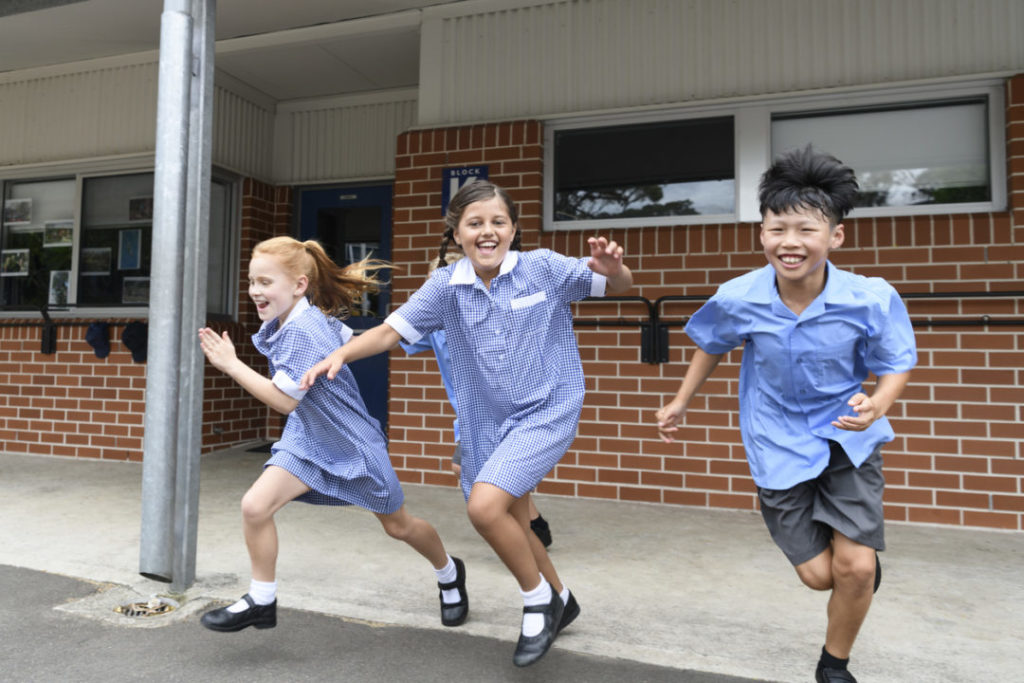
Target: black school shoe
<point x="454" y="613"/>
<point x="540" y="527"/>
<point x="257" y="616"/>
<point x="531" y="648"/>
<point x="826" y="675"/>
<point x="570" y="612"/>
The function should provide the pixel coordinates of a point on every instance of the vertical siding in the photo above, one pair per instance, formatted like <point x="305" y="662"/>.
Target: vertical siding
<point x="112" y="111"/>
<point x="243" y="134"/>
<point x="347" y="138"/>
<point x="581" y="55"/>
<point x="78" y="115"/>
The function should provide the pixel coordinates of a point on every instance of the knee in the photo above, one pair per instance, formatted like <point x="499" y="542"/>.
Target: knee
<point x="481" y="515"/>
<point x="854" y="569"/>
<point x="815" y="577"/>
<point x="396" y="526"/>
<point x="254" y="509"/>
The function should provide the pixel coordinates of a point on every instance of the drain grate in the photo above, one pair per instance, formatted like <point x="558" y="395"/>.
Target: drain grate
<point x="153" y="607"/>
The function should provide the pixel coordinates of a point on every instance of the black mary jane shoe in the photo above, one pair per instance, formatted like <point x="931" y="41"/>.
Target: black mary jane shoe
<point x="570" y="612"/>
<point x="455" y="613"/>
<point x="531" y="648"/>
<point x="257" y="616"/>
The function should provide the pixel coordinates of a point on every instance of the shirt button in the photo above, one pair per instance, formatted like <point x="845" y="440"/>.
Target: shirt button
<point x="497" y="332"/>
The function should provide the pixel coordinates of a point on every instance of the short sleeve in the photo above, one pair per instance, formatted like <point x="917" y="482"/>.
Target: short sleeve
<point x="295" y="352"/>
<point x="713" y="329"/>
<point x="891" y="346"/>
<point x="421" y="314"/>
<point x="575" y="280"/>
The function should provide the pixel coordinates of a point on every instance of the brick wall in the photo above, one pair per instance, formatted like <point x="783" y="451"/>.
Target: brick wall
<point x="958" y="457"/>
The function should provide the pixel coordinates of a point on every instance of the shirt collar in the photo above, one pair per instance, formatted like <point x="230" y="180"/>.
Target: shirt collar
<point x="763" y="290"/>
<point x="298" y="309"/>
<point x="463" y="273"/>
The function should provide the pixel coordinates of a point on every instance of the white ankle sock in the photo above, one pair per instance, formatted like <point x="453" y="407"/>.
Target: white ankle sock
<point x="564" y="595"/>
<point x="447" y="574"/>
<point x="533" y="622"/>
<point x="261" y="592"/>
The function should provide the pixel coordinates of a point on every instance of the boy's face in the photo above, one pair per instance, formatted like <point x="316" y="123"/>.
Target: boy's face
<point x="485" y="233"/>
<point x="797" y="244"/>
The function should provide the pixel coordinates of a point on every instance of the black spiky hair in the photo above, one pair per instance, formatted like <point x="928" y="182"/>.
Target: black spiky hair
<point x="808" y="179"/>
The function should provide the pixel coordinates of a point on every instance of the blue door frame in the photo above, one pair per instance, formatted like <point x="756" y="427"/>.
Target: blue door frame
<point x="352" y="222"/>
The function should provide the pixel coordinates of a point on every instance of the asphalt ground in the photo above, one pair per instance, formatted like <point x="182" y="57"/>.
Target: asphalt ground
<point x="43" y="641"/>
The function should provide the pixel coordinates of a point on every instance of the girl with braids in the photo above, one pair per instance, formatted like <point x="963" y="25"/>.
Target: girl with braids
<point x="331" y="452"/>
<point x="517" y="378"/>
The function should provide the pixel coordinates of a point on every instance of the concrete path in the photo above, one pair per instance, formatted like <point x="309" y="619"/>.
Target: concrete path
<point x="690" y="590"/>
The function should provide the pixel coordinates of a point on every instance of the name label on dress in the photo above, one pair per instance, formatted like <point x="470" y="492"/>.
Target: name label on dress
<point x="527" y="301"/>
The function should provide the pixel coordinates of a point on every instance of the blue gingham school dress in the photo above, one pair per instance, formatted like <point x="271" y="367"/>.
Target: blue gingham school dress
<point x="517" y="372"/>
<point x="330" y="441"/>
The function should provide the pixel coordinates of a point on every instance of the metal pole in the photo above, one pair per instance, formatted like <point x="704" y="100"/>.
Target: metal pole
<point x="193" y="308"/>
<point x="169" y="185"/>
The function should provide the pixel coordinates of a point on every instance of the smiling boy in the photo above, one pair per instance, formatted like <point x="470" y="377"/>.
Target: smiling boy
<point x="811" y="335"/>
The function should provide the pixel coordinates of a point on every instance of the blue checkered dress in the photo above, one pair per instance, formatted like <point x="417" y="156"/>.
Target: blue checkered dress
<point x="330" y="442"/>
<point x="517" y="373"/>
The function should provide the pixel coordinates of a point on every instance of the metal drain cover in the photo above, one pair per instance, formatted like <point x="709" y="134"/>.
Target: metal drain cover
<point x="151" y="608"/>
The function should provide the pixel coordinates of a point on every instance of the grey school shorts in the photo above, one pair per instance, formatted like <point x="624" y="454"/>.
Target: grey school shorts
<point x="457" y="455"/>
<point x="843" y="498"/>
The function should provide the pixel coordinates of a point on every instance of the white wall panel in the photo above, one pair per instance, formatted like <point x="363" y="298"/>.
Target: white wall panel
<point x="111" y="111"/>
<point x="98" y="113"/>
<point x="344" y="138"/>
<point x="488" y="60"/>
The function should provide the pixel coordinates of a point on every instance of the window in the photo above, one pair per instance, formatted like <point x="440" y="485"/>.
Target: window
<point x="86" y="241"/>
<point x="904" y="155"/>
<point x="662" y="170"/>
<point x="926" y="149"/>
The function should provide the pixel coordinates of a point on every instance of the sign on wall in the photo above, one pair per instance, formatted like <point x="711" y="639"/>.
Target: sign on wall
<point x="454" y="178"/>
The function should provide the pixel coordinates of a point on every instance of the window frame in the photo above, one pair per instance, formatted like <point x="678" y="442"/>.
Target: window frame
<point x="106" y="168"/>
<point x="752" y="120"/>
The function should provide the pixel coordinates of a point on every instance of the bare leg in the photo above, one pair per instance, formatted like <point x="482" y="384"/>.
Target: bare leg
<point x="268" y="494"/>
<point x="848" y="569"/>
<point x="418" y="533"/>
<point x="504" y="522"/>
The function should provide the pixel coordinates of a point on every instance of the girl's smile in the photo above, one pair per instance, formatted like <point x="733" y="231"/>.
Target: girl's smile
<point x="485" y="233"/>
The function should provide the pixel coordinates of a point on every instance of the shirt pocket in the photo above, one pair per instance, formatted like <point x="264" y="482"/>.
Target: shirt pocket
<point x="528" y="301"/>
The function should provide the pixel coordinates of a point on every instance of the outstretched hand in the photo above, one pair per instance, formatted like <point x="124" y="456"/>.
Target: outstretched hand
<point x="329" y="366"/>
<point x="605" y="257"/>
<point x="219" y="349"/>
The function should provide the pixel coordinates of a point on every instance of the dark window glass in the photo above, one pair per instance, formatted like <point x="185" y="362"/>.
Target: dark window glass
<point x="669" y="168"/>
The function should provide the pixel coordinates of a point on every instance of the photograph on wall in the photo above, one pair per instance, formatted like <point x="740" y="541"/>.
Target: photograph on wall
<point x="18" y="212"/>
<point x="58" y="233"/>
<point x="95" y="261"/>
<point x="129" y="249"/>
<point x="140" y="209"/>
<point x="14" y="262"/>
<point x="135" y="290"/>
<point x="59" y="282"/>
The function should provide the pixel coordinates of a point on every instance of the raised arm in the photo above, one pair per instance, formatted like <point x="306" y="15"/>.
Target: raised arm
<point x="701" y="366"/>
<point x="220" y="351"/>
<point x="375" y="340"/>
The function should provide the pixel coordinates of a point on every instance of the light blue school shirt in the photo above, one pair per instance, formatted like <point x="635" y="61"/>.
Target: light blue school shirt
<point x="798" y="372"/>
<point x="435" y="341"/>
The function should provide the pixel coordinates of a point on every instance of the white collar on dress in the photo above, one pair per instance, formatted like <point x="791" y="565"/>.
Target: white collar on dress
<point x="463" y="273"/>
<point x="298" y="309"/>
